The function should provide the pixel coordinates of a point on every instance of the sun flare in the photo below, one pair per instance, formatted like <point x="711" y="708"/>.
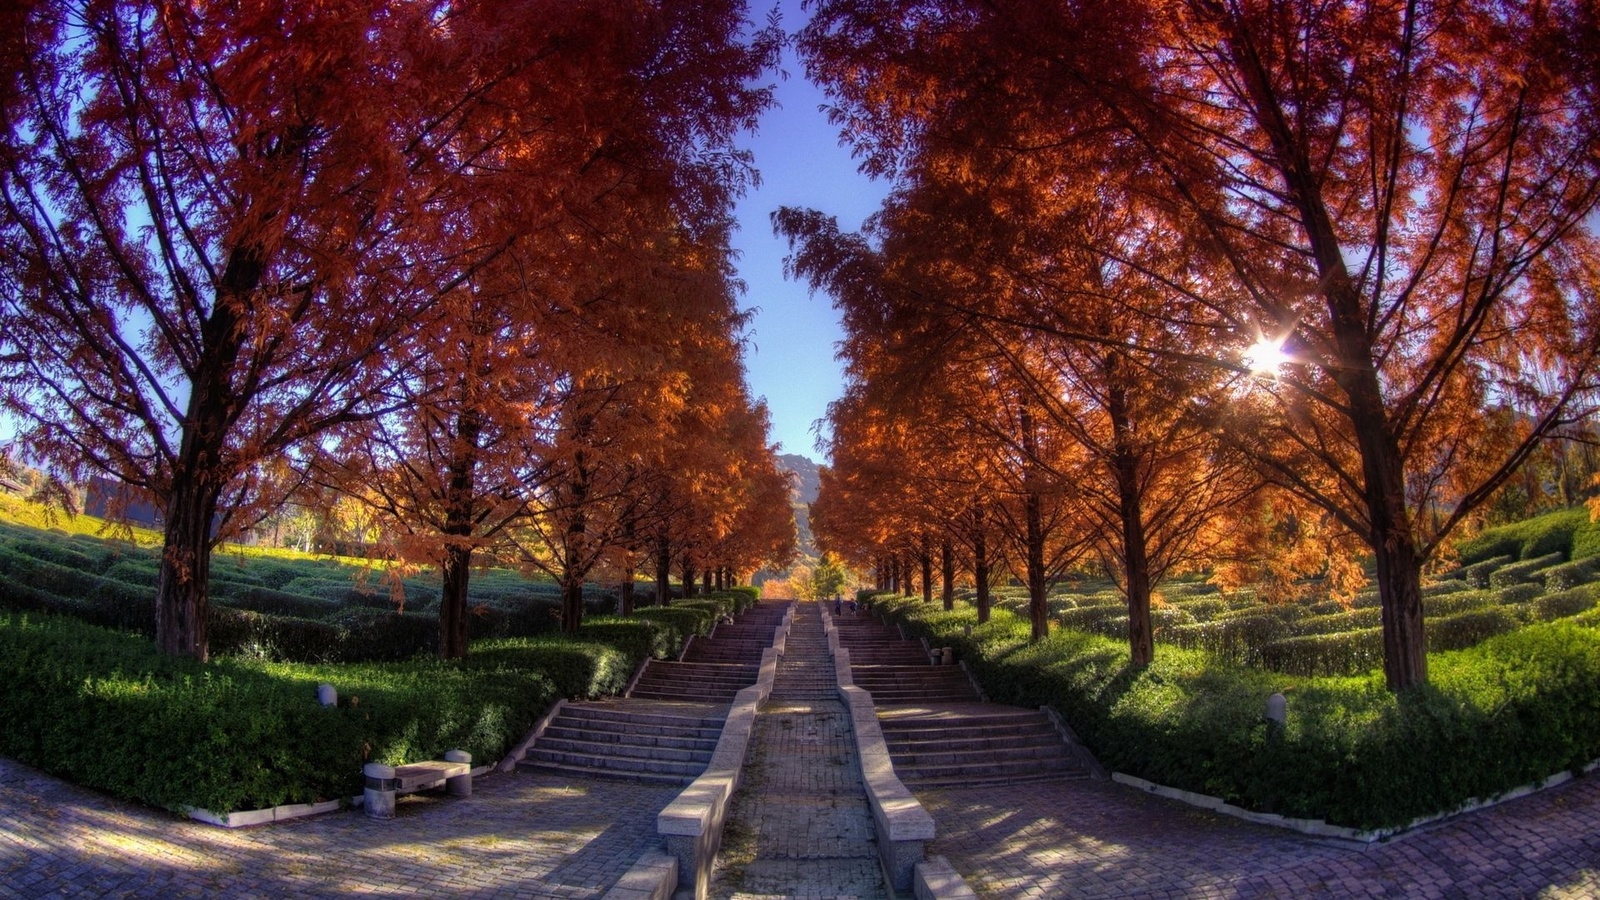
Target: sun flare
<point x="1266" y="356"/>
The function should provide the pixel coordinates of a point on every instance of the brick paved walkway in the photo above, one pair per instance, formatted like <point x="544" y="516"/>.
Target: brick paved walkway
<point x="1099" y="840"/>
<point x="799" y="826"/>
<point x="519" y="836"/>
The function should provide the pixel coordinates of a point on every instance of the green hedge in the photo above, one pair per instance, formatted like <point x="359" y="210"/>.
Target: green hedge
<point x="1514" y="709"/>
<point x="680" y="619"/>
<point x="105" y="710"/>
<point x="579" y="670"/>
<point x="1539" y="536"/>
<point x="638" y="638"/>
<point x="1523" y="572"/>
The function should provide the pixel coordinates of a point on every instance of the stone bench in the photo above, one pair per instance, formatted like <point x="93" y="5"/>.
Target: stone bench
<point x="385" y="783"/>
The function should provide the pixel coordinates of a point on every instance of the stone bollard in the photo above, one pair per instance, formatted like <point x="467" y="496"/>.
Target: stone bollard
<point x="378" y="797"/>
<point x="326" y="695"/>
<point x="947" y="656"/>
<point x="459" y="785"/>
<point x="1277" y="716"/>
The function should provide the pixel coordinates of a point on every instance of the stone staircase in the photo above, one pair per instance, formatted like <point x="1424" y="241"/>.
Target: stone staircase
<point x="629" y="740"/>
<point x="666" y="728"/>
<point x="895" y="670"/>
<point x="937" y="729"/>
<point x="715" y="668"/>
<point x="977" y="743"/>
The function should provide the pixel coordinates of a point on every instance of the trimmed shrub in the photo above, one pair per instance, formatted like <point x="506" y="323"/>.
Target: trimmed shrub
<point x="253" y="635"/>
<point x="1204" y="609"/>
<point x="1446" y="586"/>
<point x="1562" y="604"/>
<point x="1517" y="593"/>
<point x="1539" y="536"/>
<point x="680" y="620"/>
<point x="1516" y="708"/>
<point x="1478" y="573"/>
<point x="1521" y="572"/>
<point x="1572" y="574"/>
<point x="107" y="711"/>
<point x="580" y="670"/>
<point x="638" y="638"/>
<point x="1337" y="654"/>
<point x="1350" y="620"/>
<point x="1470" y="628"/>
<point x="1459" y="601"/>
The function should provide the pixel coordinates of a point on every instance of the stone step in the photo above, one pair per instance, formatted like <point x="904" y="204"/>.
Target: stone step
<point x="678" y="692"/>
<point x="550" y="747"/>
<point x="989" y="767"/>
<point x="678" y="768"/>
<point x="692" y="738"/>
<point x="929" y="755"/>
<point x="580" y="771"/>
<point x="964" y="735"/>
<point x="639" y="718"/>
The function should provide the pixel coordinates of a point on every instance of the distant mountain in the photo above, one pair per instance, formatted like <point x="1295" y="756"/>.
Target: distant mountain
<point x="809" y="482"/>
<point x="802" y="493"/>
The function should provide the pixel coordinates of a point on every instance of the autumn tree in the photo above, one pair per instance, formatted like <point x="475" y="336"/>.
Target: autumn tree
<point x="216" y="221"/>
<point x="219" y="221"/>
<point x="1396" y="194"/>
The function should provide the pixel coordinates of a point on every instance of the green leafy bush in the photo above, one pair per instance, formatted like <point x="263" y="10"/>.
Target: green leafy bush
<point x="1562" y="604"/>
<point x="680" y="619"/>
<point x="1320" y="654"/>
<point x="1521" y="572"/>
<point x="579" y="670"/>
<point x="1538" y="536"/>
<point x="105" y="710"/>
<point x="1477" y="574"/>
<point x="1515" y="708"/>
<point x="1469" y="628"/>
<point x="640" y="639"/>
<point x="1570" y="575"/>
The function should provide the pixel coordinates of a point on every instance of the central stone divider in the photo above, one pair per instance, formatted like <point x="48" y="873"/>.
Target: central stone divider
<point x="904" y="827"/>
<point x="691" y="825"/>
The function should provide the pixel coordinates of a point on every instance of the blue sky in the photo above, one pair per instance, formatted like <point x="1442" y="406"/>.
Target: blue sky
<point x="790" y="361"/>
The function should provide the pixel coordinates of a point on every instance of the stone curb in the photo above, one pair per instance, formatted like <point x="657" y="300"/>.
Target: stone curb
<point x="691" y="824"/>
<point x="1320" y="828"/>
<point x="936" y="879"/>
<point x="249" y="817"/>
<point x="903" y="825"/>
<point x="520" y="751"/>
<point x="653" y="877"/>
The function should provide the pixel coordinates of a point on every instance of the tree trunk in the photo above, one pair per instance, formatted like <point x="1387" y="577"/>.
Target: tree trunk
<point x="574" y="567"/>
<point x="625" y="596"/>
<point x="705" y="582"/>
<point x="980" y="574"/>
<point x="183" y="584"/>
<point x="663" y="570"/>
<point x="1033" y="510"/>
<point x="688" y="575"/>
<point x="1399" y="568"/>
<point x="457" y="563"/>
<point x="454" y="571"/>
<point x="927" y="570"/>
<point x="947" y="573"/>
<point x="1130" y="506"/>
<point x="184" y="581"/>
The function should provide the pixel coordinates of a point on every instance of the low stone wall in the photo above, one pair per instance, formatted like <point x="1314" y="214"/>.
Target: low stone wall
<point x="691" y="825"/>
<point x="903" y="825"/>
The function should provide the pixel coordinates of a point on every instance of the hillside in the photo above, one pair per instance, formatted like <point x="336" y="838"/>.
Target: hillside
<point x="802" y="493"/>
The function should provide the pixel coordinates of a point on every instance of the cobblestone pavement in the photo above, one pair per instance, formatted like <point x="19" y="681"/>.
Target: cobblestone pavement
<point x="1100" y="840"/>
<point x="519" y="836"/>
<point x="799" y="826"/>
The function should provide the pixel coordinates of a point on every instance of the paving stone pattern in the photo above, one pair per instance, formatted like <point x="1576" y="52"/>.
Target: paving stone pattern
<point x="1100" y="840"/>
<point x="799" y="826"/>
<point x="519" y="836"/>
